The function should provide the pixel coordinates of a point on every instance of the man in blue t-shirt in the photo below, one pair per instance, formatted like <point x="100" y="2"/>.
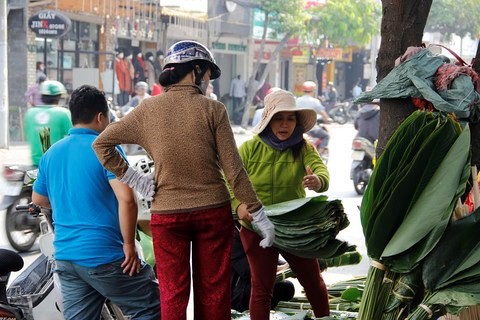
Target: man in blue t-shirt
<point x="94" y="215"/>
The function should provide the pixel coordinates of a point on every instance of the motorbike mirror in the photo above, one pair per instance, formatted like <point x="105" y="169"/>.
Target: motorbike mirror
<point x="11" y="261"/>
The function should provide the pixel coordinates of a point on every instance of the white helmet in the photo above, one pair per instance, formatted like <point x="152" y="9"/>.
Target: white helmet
<point x="189" y="50"/>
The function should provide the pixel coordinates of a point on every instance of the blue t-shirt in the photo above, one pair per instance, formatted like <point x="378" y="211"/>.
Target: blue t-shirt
<point x="85" y="209"/>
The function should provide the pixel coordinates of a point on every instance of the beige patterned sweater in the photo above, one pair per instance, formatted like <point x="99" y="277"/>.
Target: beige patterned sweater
<point x="190" y="140"/>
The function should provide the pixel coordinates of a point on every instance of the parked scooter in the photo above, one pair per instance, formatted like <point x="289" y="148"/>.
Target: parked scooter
<point x="362" y="164"/>
<point x="31" y="295"/>
<point x="21" y="228"/>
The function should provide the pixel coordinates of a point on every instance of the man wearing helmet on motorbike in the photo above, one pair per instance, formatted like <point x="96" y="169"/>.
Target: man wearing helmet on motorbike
<point x="309" y="100"/>
<point x="191" y="142"/>
<point x="141" y="93"/>
<point x="48" y="115"/>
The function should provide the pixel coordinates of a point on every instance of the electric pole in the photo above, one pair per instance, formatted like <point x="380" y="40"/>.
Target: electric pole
<point x="3" y="76"/>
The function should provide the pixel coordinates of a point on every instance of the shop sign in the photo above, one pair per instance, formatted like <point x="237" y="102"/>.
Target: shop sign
<point x="49" y="24"/>
<point x="300" y="59"/>
<point x="231" y="47"/>
<point x="219" y="45"/>
<point x="237" y="47"/>
<point x="347" y="55"/>
<point x="300" y="54"/>
<point x="266" y="56"/>
<point x="330" y="53"/>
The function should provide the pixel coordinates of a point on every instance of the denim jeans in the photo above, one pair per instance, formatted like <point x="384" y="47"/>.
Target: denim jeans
<point x="85" y="290"/>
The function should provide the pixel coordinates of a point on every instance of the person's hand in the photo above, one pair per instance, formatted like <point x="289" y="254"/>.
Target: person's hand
<point x="131" y="264"/>
<point x="243" y="213"/>
<point x="142" y="183"/>
<point x="311" y="181"/>
<point x="265" y="227"/>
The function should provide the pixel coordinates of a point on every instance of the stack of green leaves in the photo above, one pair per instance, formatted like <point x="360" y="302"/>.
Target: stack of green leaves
<point x="451" y="272"/>
<point x="410" y="197"/>
<point x="336" y="289"/>
<point x="287" y="314"/>
<point x="308" y="227"/>
<point x="346" y="259"/>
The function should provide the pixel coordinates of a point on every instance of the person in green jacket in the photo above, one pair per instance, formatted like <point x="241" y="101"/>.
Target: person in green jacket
<point x="281" y="164"/>
<point x="48" y="115"/>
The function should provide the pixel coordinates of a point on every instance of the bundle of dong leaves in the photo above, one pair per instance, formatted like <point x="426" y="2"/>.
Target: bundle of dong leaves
<point x="410" y="198"/>
<point x="451" y="272"/>
<point x="307" y="227"/>
<point x="344" y="298"/>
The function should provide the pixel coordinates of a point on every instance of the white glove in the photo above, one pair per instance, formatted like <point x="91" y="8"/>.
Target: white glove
<point x="265" y="227"/>
<point x="142" y="183"/>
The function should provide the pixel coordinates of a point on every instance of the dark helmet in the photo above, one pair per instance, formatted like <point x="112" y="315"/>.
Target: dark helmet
<point x="189" y="50"/>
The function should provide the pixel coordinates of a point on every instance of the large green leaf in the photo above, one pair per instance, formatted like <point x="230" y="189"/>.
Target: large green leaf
<point x="456" y="296"/>
<point x="433" y="207"/>
<point x="408" y="184"/>
<point x="401" y="161"/>
<point x="387" y="162"/>
<point x="467" y="275"/>
<point x="457" y="251"/>
<point x="287" y="206"/>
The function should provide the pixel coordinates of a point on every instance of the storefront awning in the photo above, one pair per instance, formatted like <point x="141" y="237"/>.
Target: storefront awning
<point x="195" y="15"/>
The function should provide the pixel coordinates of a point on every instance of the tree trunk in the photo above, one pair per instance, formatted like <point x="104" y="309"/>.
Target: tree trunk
<point x="252" y="87"/>
<point x="403" y="22"/>
<point x="261" y="80"/>
<point x="475" y="125"/>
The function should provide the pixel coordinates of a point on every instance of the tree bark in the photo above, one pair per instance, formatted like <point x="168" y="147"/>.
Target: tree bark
<point x="403" y="22"/>
<point x="475" y="125"/>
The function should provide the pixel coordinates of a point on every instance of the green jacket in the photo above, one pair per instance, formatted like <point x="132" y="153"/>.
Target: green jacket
<point x="276" y="176"/>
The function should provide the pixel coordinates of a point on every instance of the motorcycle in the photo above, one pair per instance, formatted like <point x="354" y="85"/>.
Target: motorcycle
<point x="31" y="295"/>
<point x="318" y="134"/>
<point x="343" y="112"/>
<point x="22" y="229"/>
<point x="362" y="164"/>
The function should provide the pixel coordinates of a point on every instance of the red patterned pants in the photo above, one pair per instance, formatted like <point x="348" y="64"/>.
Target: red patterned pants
<point x="263" y="268"/>
<point x="208" y="234"/>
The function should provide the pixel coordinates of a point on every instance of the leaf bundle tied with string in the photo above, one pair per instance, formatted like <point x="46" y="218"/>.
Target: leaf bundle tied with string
<point x="410" y="198"/>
